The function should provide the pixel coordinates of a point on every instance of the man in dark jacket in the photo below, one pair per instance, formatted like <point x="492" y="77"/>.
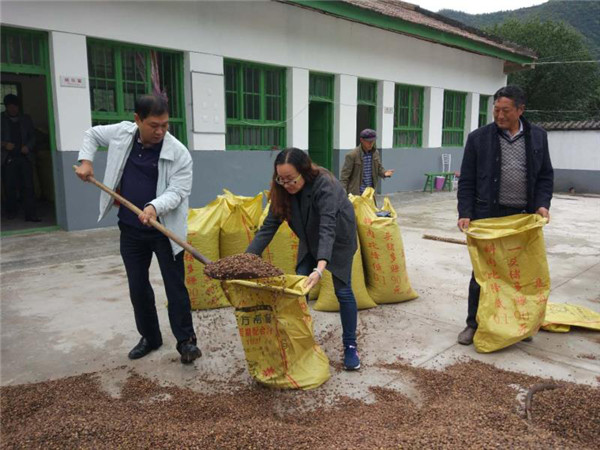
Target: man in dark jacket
<point x="506" y="170"/>
<point x="18" y="141"/>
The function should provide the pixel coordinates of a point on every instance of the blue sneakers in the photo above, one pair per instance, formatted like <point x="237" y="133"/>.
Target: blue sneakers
<point x="351" y="359"/>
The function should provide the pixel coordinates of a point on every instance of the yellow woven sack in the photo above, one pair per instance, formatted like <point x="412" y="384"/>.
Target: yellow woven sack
<point x="382" y="251"/>
<point x="327" y="300"/>
<point x="252" y="205"/>
<point x="282" y="252"/>
<point x="237" y="230"/>
<point x="509" y="261"/>
<point x="203" y="234"/>
<point x="276" y="330"/>
<point x="560" y="317"/>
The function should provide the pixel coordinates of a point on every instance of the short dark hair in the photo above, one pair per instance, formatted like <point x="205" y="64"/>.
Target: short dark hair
<point x="151" y="105"/>
<point x="515" y="93"/>
<point x="11" y="99"/>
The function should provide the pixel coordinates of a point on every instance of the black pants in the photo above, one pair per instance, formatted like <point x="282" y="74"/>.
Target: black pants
<point x="474" y="288"/>
<point x="137" y="247"/>
<point x="18" y="179"/>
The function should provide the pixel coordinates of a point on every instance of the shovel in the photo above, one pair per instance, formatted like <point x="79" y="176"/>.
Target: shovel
<point x="191" y="250"/>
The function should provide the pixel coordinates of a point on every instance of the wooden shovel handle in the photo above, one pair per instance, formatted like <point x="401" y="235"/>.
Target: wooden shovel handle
<point x="123" y="201"/>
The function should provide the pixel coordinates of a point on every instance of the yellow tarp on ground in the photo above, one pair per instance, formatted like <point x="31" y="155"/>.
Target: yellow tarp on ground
<point x="327" y="300"/>
<point x="382" y="251"/>
<point x="276" y="330"/>
<point x="560" y="317"/>
<point x="509" y="260"/>
<point x="203" y="234"/>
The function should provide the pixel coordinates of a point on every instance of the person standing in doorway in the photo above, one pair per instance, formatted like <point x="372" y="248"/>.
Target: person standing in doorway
<point x="18" y="160"/>
<point x="506" y="170"/>
<point x="153" y="170"/>
<point x="362" y="166"/>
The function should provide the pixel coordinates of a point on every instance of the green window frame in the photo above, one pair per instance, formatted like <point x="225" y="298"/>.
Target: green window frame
<point x="119" y="73"/>
<point x="483" y="109"/>
<point x="255" y="106"/>
<point x="453" y="128"/>
<point x="408" y="116"/>
<point x="23" y="51"/>
<point x="320" y="87"/>
<point x="367" y="92"/>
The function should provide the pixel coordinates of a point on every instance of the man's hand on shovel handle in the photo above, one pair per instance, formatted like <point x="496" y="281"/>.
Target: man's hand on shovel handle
<point x="148" y="213"/>
<point x="85" y="170"/>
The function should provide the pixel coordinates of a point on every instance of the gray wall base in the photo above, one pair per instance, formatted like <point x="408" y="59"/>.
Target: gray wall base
<point x="584" y="181"/>
<point x="410" y="165"/>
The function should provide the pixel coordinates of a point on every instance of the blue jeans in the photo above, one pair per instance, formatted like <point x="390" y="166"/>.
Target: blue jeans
<point x="345" y="296"/>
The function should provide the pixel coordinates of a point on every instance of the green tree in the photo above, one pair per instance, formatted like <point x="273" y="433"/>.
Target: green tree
<point x="553" y="89"/>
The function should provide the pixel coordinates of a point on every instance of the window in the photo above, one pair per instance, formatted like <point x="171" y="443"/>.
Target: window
<point x="367" y="92"/>
<point x="119" y="73"/>
<point x="320" y="87"/>
<point x="483" y="109"/>
<point x="408" y="116"/>
<point x="255" y="104"/>
<point x="453" y="127"/>
<point x="23" y="51"/>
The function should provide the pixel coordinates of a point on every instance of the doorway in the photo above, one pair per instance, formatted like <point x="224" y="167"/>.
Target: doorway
<point x="366" y="106"/>
<point x="25" y="74"/>
<point x="320" y="133"/>
<point x="320" y="119"/>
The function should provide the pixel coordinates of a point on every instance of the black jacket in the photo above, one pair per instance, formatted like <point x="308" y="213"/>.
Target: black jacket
<point x="479" y="182"/>
<point x="27" y="135"/>
<point x="324" y="222"/>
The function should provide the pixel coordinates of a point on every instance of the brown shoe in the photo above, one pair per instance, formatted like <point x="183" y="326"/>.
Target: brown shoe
<point x="465" y="337"/>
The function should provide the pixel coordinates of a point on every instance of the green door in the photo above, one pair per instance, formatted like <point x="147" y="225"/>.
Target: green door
<point x="320" y="133"/>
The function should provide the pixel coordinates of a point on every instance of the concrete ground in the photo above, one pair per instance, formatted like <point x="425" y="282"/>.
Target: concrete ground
<point x="66" y="311"/>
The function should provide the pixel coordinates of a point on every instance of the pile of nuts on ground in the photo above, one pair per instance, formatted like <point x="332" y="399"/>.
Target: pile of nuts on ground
<point x="245" y="266"/>
<point x="470" y="404"/>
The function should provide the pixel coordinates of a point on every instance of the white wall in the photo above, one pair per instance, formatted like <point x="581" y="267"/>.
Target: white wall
<point x="266" y="32"/>
<point x="72" y="108"/>
<point x="346" y="91"/>
<point x="433" y="105"/>
<point x="575" y="150"/>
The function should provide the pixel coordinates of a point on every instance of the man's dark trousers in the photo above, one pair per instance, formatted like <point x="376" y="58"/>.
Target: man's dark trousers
<point x="18" y="179"/>
<point x="137" y="247"/>
<point x="474" y="288"/>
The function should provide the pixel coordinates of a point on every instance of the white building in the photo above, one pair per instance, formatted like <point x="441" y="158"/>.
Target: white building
<point x="245" y="78"/>
<point x="575" y="155"/>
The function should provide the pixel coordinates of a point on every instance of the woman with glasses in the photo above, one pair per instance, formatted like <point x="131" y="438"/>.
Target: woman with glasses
<point x="317" y="208"/>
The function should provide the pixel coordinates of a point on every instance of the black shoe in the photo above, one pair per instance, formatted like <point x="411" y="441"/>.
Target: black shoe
<point x="32" y="219"/>
<point x="189" y="351"/>
<point x="465" y="337"/>
<point x="141" y="349"/>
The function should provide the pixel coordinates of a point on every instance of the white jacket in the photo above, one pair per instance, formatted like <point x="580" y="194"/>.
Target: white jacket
<point x="174" y="173"/>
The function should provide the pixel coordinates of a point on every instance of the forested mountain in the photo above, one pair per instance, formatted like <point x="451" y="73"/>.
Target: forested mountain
<point x="582" y="15"/>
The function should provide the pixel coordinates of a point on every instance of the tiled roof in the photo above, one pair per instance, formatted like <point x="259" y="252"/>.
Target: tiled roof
<point x="570" y="125"/>
<point x="416" y="15"/>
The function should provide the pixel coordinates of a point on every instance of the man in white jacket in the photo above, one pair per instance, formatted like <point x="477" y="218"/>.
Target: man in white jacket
<point x="153" y="170"/>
